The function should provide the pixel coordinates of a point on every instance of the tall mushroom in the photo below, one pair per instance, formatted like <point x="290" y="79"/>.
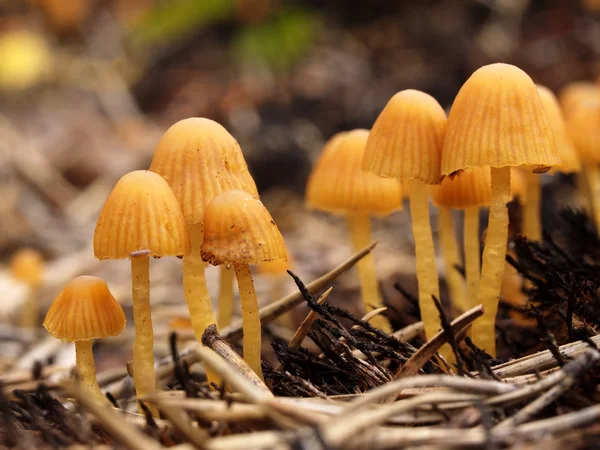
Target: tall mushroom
<point x="406" y="143"/>
<point x="141" y="218"/>
<point x="238" y="230"/>
<point x="85" y="310"/>
<point x="467" y="191"/>
<point x="27" y="265"/>
<point x="498" y="121"/>
<point x="338" y="185"/>
<point x="200" y="159"/>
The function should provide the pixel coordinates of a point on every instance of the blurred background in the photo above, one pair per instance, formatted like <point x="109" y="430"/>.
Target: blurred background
<point x="87" y="87"/>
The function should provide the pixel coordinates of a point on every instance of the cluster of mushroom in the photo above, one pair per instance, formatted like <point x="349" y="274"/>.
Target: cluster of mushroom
<point x="499" y="125"/>
<point x="197" y="201"/>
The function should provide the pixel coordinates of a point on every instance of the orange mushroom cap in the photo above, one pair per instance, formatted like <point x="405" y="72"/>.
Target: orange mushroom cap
<point x="200" y="159"/>
<point x="85" y="310"/>
<point x="274" y="267"/>
<point x="27" y="265"/>
<point x="238" y="229"/>
<point x="406" y="139"/>
<point x="141" y="213"/>
<point x="464" y="190"/>
<point x="576" y="93"/>
<point x="497" y="120"/>
<point x="568" y="155"/>
<point x="338" y="184"/>
<point x="584" y="128"/>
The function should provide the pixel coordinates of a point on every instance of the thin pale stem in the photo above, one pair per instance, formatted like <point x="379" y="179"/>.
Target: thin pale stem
<point x="143" y="345"/>
<point x="360" y="232"/>
<point x="492" y="272"/>
<point x="593" y="179"/>
<point x="225" y="296"/>
<point x="532" y="228"/>
<point x="86" y="369"/>
<point x="427" y="275"/>
<point x="250" y="319"/>
<point x="456" y="282"/>
<point x="472" y="253"/>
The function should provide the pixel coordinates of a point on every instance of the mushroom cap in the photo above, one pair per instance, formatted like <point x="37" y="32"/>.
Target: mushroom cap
<point x="141" y="213"/>
<point x="200" y="159"/>
<point x="564" y="147"/>
<point x="339" y="185"/>
<point x="575" y="93"/>
<point x="406" y="139"/>
<point x="584" y="128"/>
<point x="274" y="267"/>
<point x="497" y="120"/>
<point x="27" y="265"/>
<point x="238" y="229"/>
<point x="465" y="189"/>
<point x="85" y="310"/>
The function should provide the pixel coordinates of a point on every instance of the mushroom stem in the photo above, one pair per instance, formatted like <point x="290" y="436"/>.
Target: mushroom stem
<point x="86" y="369"/>
<point x="593" y="178"/>
<point x="360" y="232"/>
<point x="250" y="318"/>
<point x="427" y="275"/>
<point x="472" y="254"/>
<point x="195" y="290"/>
<point x="225" y="296"/>
<point x="454" y="278"/>
<point x="492" y="272"/>
<point x="29" y="314"/>
<point x="532" y="228"/>
<point x="144" y="376"/>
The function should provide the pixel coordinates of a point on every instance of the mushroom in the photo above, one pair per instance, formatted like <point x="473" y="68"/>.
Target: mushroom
<point x="406" y="143"/>
<point x="141" y="218"/>
<point x="200" y="159"/>
<point x="85" y="310"/>
<point x="27" y="266"/>
<point x="498" y="121"/>
<point x="276" y="271"/>
<point x="338" y="185"/>
<point x="466" y="191"/>
<point x="583" y="126"/>
<point x="238" y="230"/>
<point x="576" y="93"/>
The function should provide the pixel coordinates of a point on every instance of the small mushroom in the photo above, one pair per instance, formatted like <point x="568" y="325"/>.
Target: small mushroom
<point x="497" y="120"/>
<point x="338" y="185"/>
<point x="406" y="143"/>
<point x="141" y="219"/>
<point x="238" y="230"/>
<point x="576" y="93"/>
<point x="85" y="310"/>
<point x="27" y="266"/>
<point x="276" y="272"/>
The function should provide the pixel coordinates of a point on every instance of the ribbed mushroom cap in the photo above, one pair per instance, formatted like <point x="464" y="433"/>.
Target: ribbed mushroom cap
<point x="406" y="139"/>
<point x="584" y="128"/>
<point x="576" y="93"/>
<point x="238" y="229"/>
<point x="85" y="310"/>
<point x="498" y="120"/>
<point x="564" y="147"/>
<point x="141" y="213"/>
<point x="339" y="185"/>
<point x="464" y="190"/>
<point x="200" y="159"/>
<point x="27" y="265"/>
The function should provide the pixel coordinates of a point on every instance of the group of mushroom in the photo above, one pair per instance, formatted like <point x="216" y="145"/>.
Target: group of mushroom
<point x="198" y="201"/>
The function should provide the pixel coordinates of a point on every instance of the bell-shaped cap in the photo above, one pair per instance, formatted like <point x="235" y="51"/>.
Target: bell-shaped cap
<point x="576" y="93"/>
<point x="564" y="147"/>
<point x="141" y="213"/>
<point x="339" y="185"/>
<point x="200" y="159"/>
<point x="464" y="190"/>
<point x="85" y="310"/>
<point x="27" y="265"/>
<point x="406" y="139"/>
<point x="238" y="229"/>
<point x="584" y="128"/>
<point x="498" y="120"/>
